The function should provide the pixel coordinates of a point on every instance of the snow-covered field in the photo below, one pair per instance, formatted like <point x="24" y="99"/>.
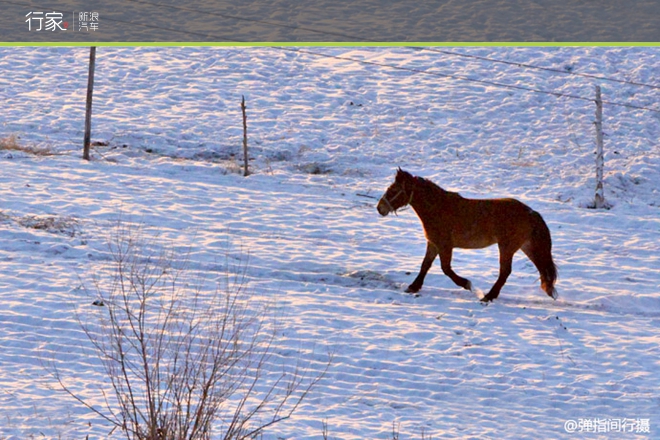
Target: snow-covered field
<point x="325" y="135"/>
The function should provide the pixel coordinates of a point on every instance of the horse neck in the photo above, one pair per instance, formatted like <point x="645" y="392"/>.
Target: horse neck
<point x="427" y="196"/>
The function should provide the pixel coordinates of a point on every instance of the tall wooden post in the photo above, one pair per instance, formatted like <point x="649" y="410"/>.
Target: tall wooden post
<point x="88" y="109"/>
<point x="245" y="147"/>
<point x="599" y="201"/>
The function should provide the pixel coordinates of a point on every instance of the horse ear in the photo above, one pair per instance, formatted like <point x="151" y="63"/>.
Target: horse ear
<point x="403" y="174"/>
<point x="400" y="174"/>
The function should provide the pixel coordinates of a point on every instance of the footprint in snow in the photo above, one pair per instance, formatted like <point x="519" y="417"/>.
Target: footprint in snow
<point x="370" y="278"/>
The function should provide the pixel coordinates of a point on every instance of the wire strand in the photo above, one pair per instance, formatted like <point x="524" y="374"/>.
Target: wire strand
<point x="546" y="69"/>
<point x="373" y="63"/>
<point x="464" y="78"/>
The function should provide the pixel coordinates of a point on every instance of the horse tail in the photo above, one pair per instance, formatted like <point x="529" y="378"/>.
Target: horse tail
<point x="539" y="251"/>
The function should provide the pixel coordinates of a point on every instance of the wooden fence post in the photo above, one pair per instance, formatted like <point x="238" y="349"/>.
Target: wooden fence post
<point x="88" y="109"/>
<point x="599" y="201"/>
<point x="245" y="147"/>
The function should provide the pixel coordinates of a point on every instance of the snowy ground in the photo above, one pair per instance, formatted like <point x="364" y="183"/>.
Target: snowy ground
<point x="324" y="133"/>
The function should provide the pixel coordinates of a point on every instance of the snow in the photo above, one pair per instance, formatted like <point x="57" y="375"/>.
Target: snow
<point x="325" y="135"/>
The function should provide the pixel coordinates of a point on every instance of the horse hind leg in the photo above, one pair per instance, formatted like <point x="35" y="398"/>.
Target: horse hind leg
<point x="506" y="258"/>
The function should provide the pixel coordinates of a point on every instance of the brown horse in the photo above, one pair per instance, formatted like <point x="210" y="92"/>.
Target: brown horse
<point x="452" y="221"/>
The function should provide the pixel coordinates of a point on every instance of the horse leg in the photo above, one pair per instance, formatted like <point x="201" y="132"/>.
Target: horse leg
<point x="445" y="261"/>
<point x="431" y="253"/>
<point x="506" y="258"/>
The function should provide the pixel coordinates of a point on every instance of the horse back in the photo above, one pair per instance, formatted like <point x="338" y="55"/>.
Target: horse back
<point x="478" y="223"/>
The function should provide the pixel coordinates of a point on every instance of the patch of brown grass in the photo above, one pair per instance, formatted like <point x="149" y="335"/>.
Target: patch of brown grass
<point x="10" y="143"/>
<point x="49" y="223"/>
<point x="57" y="225"/>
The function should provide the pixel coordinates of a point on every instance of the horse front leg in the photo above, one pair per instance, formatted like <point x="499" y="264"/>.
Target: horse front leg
<point x="445" y="261"/>
<point x="431" y="253"/>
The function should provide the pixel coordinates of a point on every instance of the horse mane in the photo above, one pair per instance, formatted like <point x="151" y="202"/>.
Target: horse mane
<point x="424" y="184"/>
<point x="432" y="187"/>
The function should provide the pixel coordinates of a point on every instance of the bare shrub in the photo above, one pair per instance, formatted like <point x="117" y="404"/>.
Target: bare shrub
<point x="182" y="360"/>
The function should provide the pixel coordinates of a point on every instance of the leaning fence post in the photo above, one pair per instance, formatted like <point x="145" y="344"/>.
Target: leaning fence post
<point x="245" y="147"/>
<point x="599" y="201"/>
<point x="88" y="109"/>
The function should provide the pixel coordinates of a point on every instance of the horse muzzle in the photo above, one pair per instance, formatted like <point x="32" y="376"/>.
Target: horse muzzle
<point x="382" y="208"/>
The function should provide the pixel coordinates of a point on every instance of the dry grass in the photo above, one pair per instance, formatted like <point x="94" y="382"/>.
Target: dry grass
<point x="10" y="143"/>
<point x="53" y="224"/>
<point x="56" y="225"/>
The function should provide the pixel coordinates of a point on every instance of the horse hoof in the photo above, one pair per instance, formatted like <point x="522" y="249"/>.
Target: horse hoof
<point x="488" y="298"/>
<point x="412" y="289"/>
<point x="554" y="294"/>
<point x="468" y="286"/>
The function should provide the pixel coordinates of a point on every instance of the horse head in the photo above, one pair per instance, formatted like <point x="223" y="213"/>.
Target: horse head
<point x="398" y="194"/>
